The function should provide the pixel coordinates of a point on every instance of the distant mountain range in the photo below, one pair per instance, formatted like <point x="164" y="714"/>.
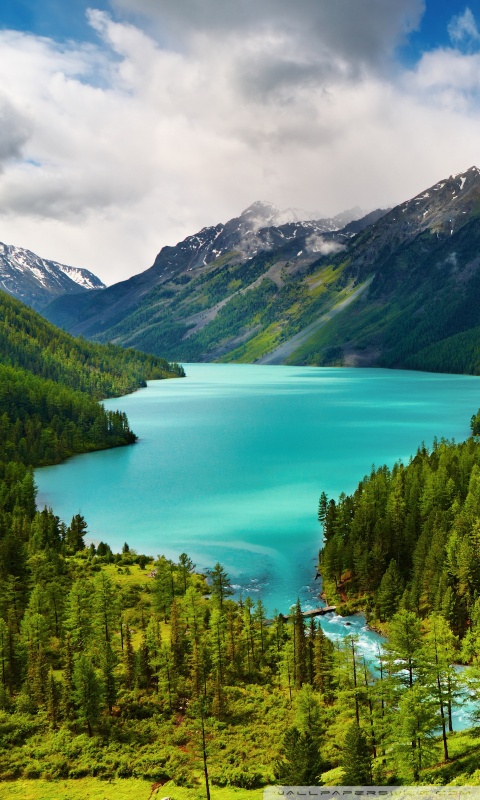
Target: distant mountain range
<point x="37" y="281"/>
<point x="394" y="288"/>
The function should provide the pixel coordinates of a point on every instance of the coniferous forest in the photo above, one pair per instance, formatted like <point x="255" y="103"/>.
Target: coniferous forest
<point x="115" y="667"/>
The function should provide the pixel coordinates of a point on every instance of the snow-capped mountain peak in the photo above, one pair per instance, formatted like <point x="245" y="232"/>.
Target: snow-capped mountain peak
<point x="37" y="281"/>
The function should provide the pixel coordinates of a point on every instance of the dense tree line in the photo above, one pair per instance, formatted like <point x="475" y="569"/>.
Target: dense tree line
<point x="172" y="679"/>
<point x="409" y="536"/>
<point x="42" y="422"/>
<point x="29" y="342"/>
<point x="49" y="387"/>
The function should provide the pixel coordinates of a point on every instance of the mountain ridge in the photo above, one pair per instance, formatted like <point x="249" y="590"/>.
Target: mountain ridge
<point x="36" y="280"/>
<point x="238" y="242"/>
<point x="387" y="290"/>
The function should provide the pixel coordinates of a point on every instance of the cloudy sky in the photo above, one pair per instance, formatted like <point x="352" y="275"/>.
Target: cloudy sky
<point x="129" y="124"/>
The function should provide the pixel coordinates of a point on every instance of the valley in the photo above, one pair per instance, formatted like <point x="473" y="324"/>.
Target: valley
<point x="227" y="467"/>
<point x="242" y="291"/>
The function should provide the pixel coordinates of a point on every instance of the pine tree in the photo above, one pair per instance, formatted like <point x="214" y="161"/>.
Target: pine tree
<point x="53" y="699"/>
<point x="178" y="639"/>
<point x="437" y="668"/>
<point x="308" y="713"/>
<point x="78" y="615"/>
<point x="322" y="508"/>
<point x="129" y="658"/>
<point x="389" y="592"/>
<point x="220" y="584"/>
<point x="323" y="665"/>
<point x="162" y="589"/>
<point x="413" y="734"/>
<point x="74" y="539"/>
<point x="105" y="609"/>
<point x="299" y="762"/>
<point x="186" y="568"/>
<point x="259" y="617"/>
<point x="356" y="758"/>
<point x="68" y="702"/>
<point x="300" y="670"/>
<point x="193" y="612"/>
<point x="87" y="693"/>
<point x="153" y="640"/>
<point x="404" y="645"/>
<point x="108" y="663"/>
<point x="249" y="635"/>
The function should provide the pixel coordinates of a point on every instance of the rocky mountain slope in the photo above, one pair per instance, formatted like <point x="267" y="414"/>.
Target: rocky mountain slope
<point x="398" y="288"/>
<point x="37" y="281"/>
<point x="421" y="309"/>
<point x="168" y="305"/>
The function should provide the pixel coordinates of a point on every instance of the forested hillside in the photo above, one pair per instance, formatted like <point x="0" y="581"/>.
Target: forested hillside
<point x="409" y="537"/>
<point x="29" y="342"/>
<point x="114" y="670"/>
<point x="50" y="384"/>
<point x="222" y="287"/>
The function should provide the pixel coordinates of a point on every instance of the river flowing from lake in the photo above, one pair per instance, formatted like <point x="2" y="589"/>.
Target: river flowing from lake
<point x="231" y="461"/>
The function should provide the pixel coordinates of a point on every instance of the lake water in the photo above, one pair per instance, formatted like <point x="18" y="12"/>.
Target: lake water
<point x="232" y="459"/>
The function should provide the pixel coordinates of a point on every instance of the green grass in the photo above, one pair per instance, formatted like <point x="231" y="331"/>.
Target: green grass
<point x="264" y="342"/>
<point x="135" y="575"/>
<point x="119" y="789"/>
<point x="463" y="769"/>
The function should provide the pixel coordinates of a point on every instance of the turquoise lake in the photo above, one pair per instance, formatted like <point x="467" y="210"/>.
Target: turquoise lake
<point x="231" y="461"/>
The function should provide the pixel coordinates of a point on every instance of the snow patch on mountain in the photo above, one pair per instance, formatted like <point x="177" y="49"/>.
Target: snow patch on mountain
<point x="37" y="281"/>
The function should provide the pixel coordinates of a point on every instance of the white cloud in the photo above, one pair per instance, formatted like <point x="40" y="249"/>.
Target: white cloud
<point x="142" y="140"/>
<point x="317" y="244"/>
<point x="463" y="30"/>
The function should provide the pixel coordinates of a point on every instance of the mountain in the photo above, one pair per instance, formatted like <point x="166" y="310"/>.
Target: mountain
<point x="37" y="281"/>
<point x="396" y="288"/>
<point x="421" y="309"/>
<point x="166" y="308"/>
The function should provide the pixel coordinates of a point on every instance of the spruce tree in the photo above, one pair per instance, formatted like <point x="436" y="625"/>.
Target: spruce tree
<point x="87" y="693"/>
<point x="221" y="588"/>
<point x="323" y="665"/>
<point x="389" y="592"/>
<point x="299" y="647"/>
<point x="322" y="508"/>
<point x="414" y="730"/>
<point x="68" y="702"/>
<point x="74" y="538"/>
<point x="186" y="568"/>
<point x="356" y="758"/>
<point x="129" y="658"/>
<point x="404" y="646"/>
<point x="299" y="762"/>
<point x="108" y="663"/>
<point x="53" y="699"/>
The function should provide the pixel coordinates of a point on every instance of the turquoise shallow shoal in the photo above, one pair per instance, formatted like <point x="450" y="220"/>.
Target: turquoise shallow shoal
<point x="231" y="462"/>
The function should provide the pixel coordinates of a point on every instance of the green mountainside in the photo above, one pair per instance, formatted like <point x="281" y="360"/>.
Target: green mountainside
<point x="394" y="289"/>
<point x="232" y="291"/>
<point x="49" y="387"/>
<point x="420" y="310"/>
